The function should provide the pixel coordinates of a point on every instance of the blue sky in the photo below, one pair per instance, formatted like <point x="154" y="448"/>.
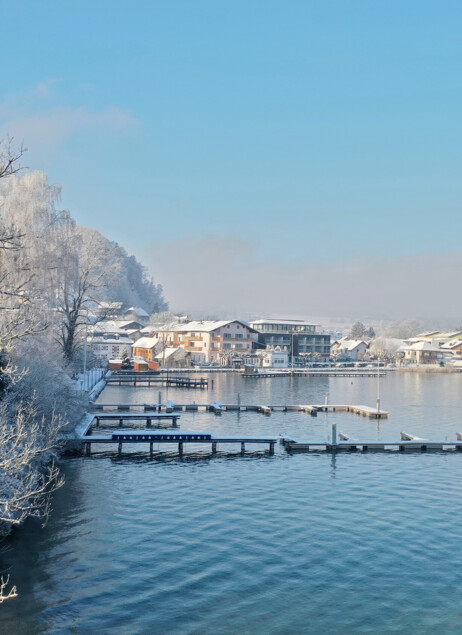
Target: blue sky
<point x="307" y="134"/>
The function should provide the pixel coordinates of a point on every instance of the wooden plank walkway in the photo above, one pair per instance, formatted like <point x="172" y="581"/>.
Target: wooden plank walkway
<point x="123" y="418"/>
<point x="147" y="380"/>
<point x="180" y="438"/>
<point x="408" y="442"/>
<point x="218" y="408"/>
<point x="350" y="372"/>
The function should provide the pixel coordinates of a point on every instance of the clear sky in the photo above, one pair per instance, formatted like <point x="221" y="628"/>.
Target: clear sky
<point x="304" y="156"/>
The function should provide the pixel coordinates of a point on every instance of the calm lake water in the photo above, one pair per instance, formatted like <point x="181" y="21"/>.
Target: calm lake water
<point x="285" y="544"/>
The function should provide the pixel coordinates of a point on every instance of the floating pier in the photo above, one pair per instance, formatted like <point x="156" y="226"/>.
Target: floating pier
<point x="408" y="442"/>
<point x="145" y="379"/>
<point x="328" y="372"/>
<point x="179" y="438"/>
<point x="218" y="408"/>
<point x="130" y="416"/>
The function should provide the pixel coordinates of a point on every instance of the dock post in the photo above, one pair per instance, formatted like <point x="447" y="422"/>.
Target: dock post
<point x="88" y="449"/>
<point x="120" y="423"/>
<point x="120" y="448"/>
<point x="160" y="401"/>
<point x="271" y="448"/>
<point x="242" y="448"/>
<point x="174" y="422"/>
<point x="180" y="448"/>
<point x="148" y="422"/>
<point x="151" y="446"/>
<point x="238" y="398"/>
<point x="334" y="436"/>
<point x="214" y="447"/>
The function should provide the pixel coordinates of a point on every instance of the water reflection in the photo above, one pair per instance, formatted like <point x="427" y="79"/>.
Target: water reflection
<point x="208" y="543"/>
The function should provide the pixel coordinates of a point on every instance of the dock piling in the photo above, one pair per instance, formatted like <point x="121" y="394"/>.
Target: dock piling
<point x="334" y="435"/>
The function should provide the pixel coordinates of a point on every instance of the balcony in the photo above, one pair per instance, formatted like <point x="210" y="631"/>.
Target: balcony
<point x="193" y="338"/>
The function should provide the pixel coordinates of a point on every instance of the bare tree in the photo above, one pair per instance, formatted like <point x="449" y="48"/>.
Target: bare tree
<point x="88" y="268"/>
<point x="10" y="157"/>
<point x="25" y="490"/>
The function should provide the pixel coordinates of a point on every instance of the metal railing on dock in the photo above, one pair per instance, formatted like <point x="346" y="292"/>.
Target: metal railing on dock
<point x="179" y="438"/>
<point x="156" y="379"/>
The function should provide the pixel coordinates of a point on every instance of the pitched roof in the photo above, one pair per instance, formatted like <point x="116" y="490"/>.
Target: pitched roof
<point x="138" y="310"/>
<point x="450" y="345"/>
<point x="146" y="342"/>
<point x="422" y="346"/>
<point x="206" y="326"/>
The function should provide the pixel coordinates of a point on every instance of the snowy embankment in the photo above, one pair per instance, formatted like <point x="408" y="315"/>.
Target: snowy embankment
<point x="84" y="424"/>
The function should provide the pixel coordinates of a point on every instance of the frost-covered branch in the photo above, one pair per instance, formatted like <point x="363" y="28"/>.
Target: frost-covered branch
<point x="4" y="594"/>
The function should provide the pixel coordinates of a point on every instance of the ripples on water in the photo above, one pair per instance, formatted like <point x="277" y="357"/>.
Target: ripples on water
<point x="283" y="544"/>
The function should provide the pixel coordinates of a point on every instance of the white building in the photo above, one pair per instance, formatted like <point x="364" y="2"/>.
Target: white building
<point x="272" y="358"/>
<point x="211" y="341"/>
<point x="349" y="350"/>
<point x="108" y="346"/>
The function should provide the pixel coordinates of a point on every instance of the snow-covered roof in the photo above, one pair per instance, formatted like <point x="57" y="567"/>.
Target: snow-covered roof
<point x="100" y="339"/>
<point x="279" y="321"/>
<point x="106" y="326"/>
<point x="450" y="345"/>
<point x="206" y="326"/>
<point x="146" y="342"/>
<point x="106" y="304"/>
<point x="349" y="345"/>
<point x="124" y="324"/>
<point x="138" y="310"/>
<point x="422" y="346"/>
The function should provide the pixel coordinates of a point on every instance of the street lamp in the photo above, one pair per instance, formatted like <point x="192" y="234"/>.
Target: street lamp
<point x="85" y="350"/>
<point x="292" y="351"/>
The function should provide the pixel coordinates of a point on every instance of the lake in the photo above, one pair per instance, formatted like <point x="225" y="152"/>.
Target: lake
<point x="357" y="543"/>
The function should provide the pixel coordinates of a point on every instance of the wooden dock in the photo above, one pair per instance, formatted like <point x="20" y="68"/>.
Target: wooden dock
<point x="344" y="443"/>
<point x="123" y="418"/>
<point x="146" y="380"/>
<point x="328" y="372"/>
<point x="178" y="438"/>
<point x="218" y="408"/>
